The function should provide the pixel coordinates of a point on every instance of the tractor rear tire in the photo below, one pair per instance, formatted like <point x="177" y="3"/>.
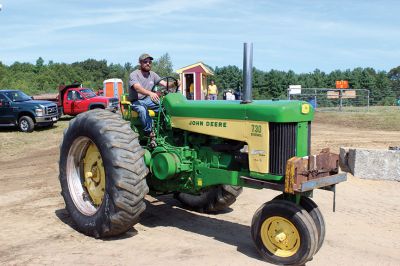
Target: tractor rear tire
<point x="102" y="174"/>
<point x="211" y="200"/>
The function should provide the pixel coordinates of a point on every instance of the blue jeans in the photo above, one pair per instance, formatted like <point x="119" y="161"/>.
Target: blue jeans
<point x="141" y="107"/>
<point x="213" y="96"/>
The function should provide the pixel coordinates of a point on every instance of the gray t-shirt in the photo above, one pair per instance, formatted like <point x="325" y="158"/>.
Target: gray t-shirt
<point x="146" y="82"/>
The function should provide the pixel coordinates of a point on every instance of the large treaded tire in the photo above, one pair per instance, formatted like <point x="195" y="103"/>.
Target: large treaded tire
<point x="124" y="168"/>
<point x="214" y="199"/>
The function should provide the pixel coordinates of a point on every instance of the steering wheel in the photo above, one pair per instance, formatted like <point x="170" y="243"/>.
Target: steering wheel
<point x="161" y="90"/>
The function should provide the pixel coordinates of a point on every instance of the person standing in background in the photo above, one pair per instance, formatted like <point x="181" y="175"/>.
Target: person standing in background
<point x="229" y="95"/>
<point x="191" y="91"/>
<point x="212" y="91"/>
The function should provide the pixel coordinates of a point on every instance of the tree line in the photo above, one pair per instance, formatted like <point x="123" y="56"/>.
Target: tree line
<point x="41" y="78"/>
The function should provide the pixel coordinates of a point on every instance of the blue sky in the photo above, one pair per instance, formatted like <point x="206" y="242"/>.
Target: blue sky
<point x="286" y="34"/>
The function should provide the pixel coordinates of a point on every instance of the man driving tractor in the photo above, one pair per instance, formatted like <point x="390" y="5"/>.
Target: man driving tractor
<point x="141" y="82"/>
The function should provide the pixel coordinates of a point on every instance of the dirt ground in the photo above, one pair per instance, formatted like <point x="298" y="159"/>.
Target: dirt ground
<point x="36" y="229"/>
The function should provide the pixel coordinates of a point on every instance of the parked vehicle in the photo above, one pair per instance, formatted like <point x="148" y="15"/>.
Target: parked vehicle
<point x="19" y="109"/>
<point x="74" y="99"/>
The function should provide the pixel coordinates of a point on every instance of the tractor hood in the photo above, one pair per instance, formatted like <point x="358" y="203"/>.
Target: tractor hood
<point x="280" y="111"/>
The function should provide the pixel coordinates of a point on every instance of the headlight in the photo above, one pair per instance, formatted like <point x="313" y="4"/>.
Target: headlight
<point x="305" y="108"/>
<point x="39" y="112"/>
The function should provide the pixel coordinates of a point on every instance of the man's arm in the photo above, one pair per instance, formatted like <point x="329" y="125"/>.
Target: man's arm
<point x="153" y="96"/>
<point x="135" y="85"/>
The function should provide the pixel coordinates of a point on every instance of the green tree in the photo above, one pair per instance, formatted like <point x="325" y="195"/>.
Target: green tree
<point x="3" y="74"/>
<point x="39" y="65"/>
<point x="276" y="85"/>
<point x="39" y="78"/>
<point x="319" y="79"/>
<point x="384" y="89"/>
<point x="394" y="76"/>
<point x="259" y="84"/>
<point x="356" y="78"/>
<point x="228" y="77"/>
<point x="163" y="66"/>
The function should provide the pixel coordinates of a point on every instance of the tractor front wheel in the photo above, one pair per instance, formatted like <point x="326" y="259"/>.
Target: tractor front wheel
<point x="284" y="233"/>
<point x="102" y="174"/>
<point x="312" y="208"/>
<point x="211" y="200"/>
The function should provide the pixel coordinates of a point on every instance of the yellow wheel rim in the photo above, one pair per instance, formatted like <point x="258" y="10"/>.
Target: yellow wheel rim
<point x="280" y="236"/>
<point x="95" y="178"/>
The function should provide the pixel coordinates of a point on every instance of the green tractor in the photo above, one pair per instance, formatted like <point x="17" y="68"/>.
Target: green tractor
<point x="206" y="152"/>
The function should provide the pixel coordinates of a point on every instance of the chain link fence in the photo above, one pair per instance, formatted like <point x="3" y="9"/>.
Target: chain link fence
<point x="324" y="99"/>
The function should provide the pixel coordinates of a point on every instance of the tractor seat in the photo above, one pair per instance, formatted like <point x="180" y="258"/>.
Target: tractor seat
<point x="135" y="114"/>
<point x="126" y="108"/>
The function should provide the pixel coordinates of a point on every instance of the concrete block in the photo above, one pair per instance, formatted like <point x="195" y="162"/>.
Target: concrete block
<point x="351" y="162"/>
<point x="374" y="164"/>
<point x="343" y="159"/>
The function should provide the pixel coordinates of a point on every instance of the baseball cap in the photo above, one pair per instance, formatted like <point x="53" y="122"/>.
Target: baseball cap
<point x="145" y="56"/>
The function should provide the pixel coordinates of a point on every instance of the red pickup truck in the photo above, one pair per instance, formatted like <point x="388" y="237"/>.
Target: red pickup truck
<point x="74" y="99"/>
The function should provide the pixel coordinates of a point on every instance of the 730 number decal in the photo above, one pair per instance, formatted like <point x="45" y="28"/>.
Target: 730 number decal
<point x="256" y="130"/>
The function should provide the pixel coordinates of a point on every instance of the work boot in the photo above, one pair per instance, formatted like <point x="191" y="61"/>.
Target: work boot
<point x="152" y="137"/>
<point x="152" y="143"/>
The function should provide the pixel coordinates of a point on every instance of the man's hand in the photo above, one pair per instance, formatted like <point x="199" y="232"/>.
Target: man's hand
<point x="154" y="97"/>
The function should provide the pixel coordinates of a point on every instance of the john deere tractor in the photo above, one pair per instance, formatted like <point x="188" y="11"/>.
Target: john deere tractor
<point x="206" y="152"/>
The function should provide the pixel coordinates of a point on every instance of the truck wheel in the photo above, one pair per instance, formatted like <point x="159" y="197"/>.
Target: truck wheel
<point x="102" y="174"/>
<point x="312" y="208"/>
<point x="211" y="200"/>
<point x="284" y="233"/>
<point x="26" y="124"/>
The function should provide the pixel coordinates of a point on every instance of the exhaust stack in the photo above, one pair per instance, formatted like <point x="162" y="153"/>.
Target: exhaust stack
<point x="247" y="72"/>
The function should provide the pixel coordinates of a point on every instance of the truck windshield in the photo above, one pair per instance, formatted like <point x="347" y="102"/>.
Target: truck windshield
<point x="17" y="96"/>
<point x="88" y="93"/>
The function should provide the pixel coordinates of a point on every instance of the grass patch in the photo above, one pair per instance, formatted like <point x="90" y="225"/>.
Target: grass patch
<point x="385" y="118"/>
<point x="16" y="144"/>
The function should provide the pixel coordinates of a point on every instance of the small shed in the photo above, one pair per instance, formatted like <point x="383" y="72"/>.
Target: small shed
<point x="195" y="74"/>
